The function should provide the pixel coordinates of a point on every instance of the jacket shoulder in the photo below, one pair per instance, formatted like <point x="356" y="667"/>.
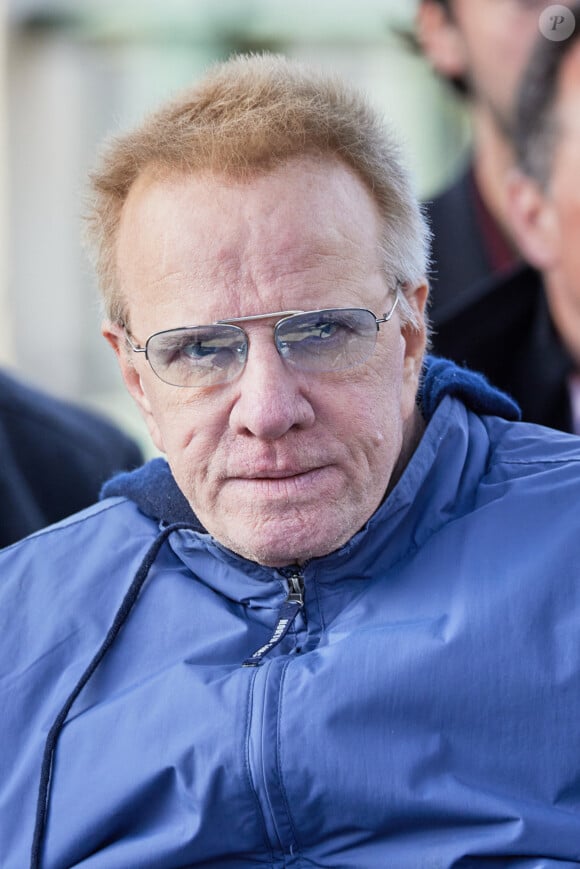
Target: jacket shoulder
<point x="60" y="587"/>
<point x="92" y="537"/>
<point x="521" y="449"/>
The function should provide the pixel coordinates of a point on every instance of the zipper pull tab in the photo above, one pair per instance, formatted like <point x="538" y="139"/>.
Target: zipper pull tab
<point x="288" y="612"/>
<point x="296" y="593"/>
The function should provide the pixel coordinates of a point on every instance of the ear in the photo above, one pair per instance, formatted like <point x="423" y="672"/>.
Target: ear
<point x="115" y="335"/>
<point x="440" y="39"/>
<point x="534" y="220"/>
<point x="415" y="336"/>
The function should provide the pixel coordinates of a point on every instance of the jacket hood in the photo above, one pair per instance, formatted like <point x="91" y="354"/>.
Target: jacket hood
<point x="153" y="489"/>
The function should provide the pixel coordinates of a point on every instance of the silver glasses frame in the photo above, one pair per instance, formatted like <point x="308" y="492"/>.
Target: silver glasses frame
<point x="233" y="321"/>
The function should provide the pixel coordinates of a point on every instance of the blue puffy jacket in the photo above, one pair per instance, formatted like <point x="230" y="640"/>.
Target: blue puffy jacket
<point x="418" y="710"/>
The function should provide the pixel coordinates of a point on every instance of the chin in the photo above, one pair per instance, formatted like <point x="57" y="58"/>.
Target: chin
<point x="287" y="546"/>
<point x="272" y="553"/>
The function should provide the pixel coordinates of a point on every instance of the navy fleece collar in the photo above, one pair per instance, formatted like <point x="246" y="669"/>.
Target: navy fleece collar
<point x="154" y="490"/>
<point x="156" y="493"/>
<point x="442" y="377"/>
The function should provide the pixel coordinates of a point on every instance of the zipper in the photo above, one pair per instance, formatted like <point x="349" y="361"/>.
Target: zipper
<point x="296" y="586"/>
<point x="292" y="605"/>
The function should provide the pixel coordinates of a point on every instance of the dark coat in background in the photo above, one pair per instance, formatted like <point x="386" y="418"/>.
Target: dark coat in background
<point x="459" y="260"/>
<point x="54" y="458"/>
<point x="468" y="247"/>
<point x="506" y="332"/>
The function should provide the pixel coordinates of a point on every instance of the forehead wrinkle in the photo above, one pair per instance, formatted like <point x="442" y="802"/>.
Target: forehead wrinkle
<point x="264" y="283"/>
<point x="263" y="259"/>
<point x="302" y="256"/>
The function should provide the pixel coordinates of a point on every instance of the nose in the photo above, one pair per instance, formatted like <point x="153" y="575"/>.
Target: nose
<point x="272" y="397"/>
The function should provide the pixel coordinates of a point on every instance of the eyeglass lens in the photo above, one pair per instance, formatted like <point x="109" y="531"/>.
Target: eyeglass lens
<point x="330" y="340"/>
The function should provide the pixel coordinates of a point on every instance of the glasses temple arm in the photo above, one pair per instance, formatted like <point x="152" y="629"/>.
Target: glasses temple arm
<point x="388" y="316"/>
<point x="134" y="347"/>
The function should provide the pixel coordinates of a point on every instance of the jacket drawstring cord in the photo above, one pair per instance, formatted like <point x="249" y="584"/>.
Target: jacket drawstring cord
<point x="52" y="739"/>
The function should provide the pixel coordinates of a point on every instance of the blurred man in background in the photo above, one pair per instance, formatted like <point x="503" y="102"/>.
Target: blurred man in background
<point x="524" y="333"/>
<point x="481" y="47"/>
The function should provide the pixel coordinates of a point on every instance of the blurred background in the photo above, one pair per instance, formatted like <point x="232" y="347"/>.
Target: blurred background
<point x="73" y="71"/>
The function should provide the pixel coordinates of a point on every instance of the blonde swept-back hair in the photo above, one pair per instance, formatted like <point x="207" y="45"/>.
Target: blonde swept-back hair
<point x="249" y="115"/>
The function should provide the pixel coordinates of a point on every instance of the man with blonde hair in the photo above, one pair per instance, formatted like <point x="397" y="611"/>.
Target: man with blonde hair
<point x="336" y="627"/>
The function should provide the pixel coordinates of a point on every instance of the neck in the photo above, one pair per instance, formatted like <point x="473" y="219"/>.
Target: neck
<point x="493" y="157"/>
<point x="413" y="431"/>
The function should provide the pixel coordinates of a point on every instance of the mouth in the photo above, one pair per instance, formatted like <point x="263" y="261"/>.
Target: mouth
<point x="281" y="482"/>
<point x="278" y="474"/>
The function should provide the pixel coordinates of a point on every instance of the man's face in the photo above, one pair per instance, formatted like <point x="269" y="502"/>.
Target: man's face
<point x="486" y="42"/>
<point x="280" y="465"/>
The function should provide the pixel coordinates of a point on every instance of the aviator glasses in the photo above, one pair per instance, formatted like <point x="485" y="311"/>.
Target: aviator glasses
<point x="331" y="339"/>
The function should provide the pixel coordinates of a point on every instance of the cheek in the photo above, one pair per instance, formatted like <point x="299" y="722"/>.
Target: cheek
<point x="570" y="266"/>
<point x="189" y="425"/>
<point x="373" y="410"/>
<point x="193" y="440"/>
<point x="566" y="206"/>
<point x="497" y="59"/>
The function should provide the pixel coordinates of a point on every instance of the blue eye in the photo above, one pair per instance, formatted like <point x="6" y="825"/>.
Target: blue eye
<point x="329" y="340"/>
<point x="199" y="350"/>
<point x="217" y="354"/>
<point x="300" y="333"/>
<point x="325" y="330"/>
<point x="204" y="353"/>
